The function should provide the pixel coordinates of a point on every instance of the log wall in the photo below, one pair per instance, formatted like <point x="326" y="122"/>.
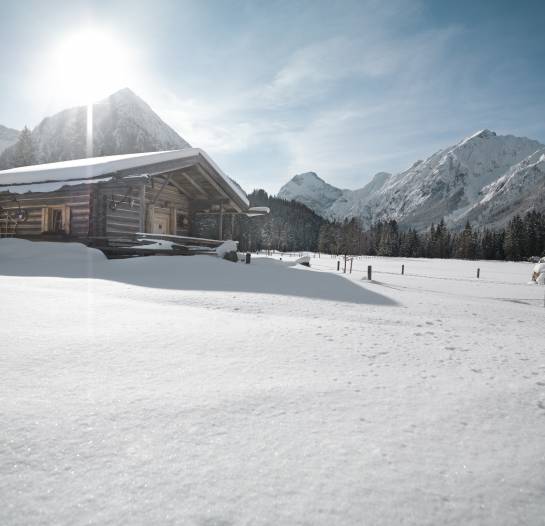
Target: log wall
<point x="77" y="199"/>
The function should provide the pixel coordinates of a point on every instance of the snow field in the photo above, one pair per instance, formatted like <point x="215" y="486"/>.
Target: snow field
<point x="197" y="391"/>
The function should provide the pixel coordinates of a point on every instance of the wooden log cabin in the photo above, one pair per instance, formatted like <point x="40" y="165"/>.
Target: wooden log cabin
<point x="107" y="198"/>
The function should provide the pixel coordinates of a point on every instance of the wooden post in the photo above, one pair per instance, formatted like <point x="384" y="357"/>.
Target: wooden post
<point x="478" y="273"/>
<point x="402" y="270"/>
<point x="220" y="225"/>
<point x="338" y="266"/>
<point x="351" y="261"/>
<point x="369" y="272"/>
<point x="344" y="267"/>
<point x="142" y="225"/>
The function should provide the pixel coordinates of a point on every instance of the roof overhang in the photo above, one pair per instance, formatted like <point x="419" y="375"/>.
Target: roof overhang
<point x="191" y="169"/>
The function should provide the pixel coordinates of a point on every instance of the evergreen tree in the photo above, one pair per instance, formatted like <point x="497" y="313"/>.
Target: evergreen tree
<point x="24" y="149"/>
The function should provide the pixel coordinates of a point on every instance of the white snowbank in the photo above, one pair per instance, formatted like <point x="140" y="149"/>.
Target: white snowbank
<point x="26" y="258"/>
<point x="226" y="247"/>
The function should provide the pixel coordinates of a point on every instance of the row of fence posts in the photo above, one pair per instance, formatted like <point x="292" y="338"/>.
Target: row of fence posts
<point x="370" y="269"/>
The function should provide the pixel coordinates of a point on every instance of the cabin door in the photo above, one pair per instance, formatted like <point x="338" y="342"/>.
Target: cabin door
<point x="161" y="221"/>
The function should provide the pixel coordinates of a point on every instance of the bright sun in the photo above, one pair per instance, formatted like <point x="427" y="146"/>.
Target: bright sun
<point x="88" y="65"/>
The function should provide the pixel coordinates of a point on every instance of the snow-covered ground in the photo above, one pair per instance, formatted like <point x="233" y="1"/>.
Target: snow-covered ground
<point x="191" y="390"/>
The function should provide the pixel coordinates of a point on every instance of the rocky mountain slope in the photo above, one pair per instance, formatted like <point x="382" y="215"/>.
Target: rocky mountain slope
<point x="484" y="178"/>
<point x="122" y="123"/>
<point x="309" y="189"/>
<point x="8" y="137"/>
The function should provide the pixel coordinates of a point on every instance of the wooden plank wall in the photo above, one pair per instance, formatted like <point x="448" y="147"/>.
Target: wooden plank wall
<point x="126" y="219"/>
<point x="91" y="213"/>
<point x="170" y="197"/>
<point x="77" y="198"/>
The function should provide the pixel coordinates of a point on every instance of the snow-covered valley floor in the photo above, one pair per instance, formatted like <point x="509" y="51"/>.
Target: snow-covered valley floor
<point x="198" y="391"/>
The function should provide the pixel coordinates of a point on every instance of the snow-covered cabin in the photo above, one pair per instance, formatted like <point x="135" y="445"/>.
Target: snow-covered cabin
<point x="107" y="197"/>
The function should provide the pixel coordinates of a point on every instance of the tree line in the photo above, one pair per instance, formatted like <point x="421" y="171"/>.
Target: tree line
<point x="292" y="227"/>
<point x="522" y="238"/>
<point x="22" y="153"/>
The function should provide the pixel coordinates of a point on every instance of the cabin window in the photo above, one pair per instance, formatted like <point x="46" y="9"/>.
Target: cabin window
<point x="56" y="219"/>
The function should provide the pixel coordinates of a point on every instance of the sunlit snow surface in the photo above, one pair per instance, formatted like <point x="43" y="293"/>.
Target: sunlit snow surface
<point x="190" y="390"/>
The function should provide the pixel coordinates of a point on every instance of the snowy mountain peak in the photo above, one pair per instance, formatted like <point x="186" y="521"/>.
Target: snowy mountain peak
<point x="122" y="123"/>
<point x="311" y="190"/>
<point x="305" y="177"/>
<point x="449" y="184"/>
<point x="483" y="134"/>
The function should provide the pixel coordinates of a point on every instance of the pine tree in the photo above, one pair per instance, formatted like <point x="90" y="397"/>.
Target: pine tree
<point x="24" y="149"/>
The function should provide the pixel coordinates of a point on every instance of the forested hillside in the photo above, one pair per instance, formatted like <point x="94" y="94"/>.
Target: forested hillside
<point x="290" y="226"/>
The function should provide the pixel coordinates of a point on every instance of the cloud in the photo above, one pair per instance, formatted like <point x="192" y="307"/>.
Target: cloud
<point x="312" y="70"/>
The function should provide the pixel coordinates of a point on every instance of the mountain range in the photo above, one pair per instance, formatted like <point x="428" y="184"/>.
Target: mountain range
<point x="122" y="123"/>
<point x="485" y="179"/>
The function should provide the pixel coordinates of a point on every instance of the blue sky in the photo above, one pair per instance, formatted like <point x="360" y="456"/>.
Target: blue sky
<point x="274" y="88"/>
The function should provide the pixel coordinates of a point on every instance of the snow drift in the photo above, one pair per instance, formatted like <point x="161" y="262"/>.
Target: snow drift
<point x="263" y="276"/>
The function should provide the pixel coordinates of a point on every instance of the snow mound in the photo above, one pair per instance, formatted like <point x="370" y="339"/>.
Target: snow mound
<point x="28" y="258"/>
<point x="226" y="247"/>
<point x="263" y="276"/>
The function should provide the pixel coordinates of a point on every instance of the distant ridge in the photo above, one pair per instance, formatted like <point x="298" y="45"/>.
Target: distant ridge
<point x="485" y="178"/>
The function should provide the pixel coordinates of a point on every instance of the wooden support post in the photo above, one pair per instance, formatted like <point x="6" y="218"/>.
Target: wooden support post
<point x="232" y="226"/>
<point x="478" y="273"/>
<point x="369" y="272"/>
<point x="143" y="208"/>
<point x="165" y="182"/>
<point x="402" y="270"/>
<point x="220" y="223"/>
<point x="338" y="266"/>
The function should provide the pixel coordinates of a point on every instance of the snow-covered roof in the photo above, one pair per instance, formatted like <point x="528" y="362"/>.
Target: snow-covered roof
<point x="92" y="168"/>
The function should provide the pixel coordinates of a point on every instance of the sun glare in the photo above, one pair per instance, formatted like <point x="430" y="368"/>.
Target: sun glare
<point x="88" y="64"/>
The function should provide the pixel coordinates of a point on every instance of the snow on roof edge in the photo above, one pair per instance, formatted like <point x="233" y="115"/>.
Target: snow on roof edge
<point x="93" y="167"/>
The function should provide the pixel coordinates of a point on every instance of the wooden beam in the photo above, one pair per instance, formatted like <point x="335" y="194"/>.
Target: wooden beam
<point x="209" y="178"/>
<point x="195" y="185"/>
<point x="198" y="205"/>
<point x="180" y="188"/>
<point x="165" y="182"/>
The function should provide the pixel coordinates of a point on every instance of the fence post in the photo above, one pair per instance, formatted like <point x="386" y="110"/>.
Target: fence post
<point x="351" y="261"/>
<point x="402" y="270"/>
<point x="369" y="272"/>
<point x="338" y="266"/>
<point x="478" y="273"/>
